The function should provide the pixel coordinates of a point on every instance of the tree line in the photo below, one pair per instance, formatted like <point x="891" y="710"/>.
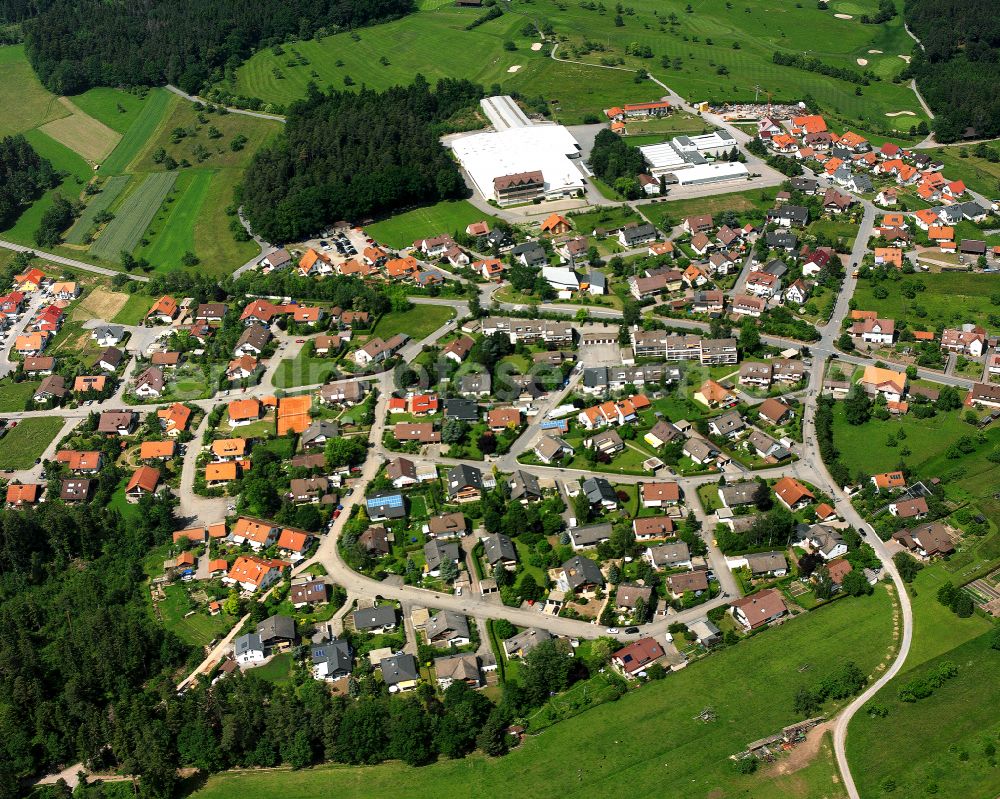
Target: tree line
<point x="355" y="155"/>
<point x="76" y="44"/>
<point x="24" y="177"/>
<point x="958" y="69"/>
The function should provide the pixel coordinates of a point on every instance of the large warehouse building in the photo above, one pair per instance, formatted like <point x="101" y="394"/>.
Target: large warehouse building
<point x="684" y="159"/>
<point x="520" y="160"/>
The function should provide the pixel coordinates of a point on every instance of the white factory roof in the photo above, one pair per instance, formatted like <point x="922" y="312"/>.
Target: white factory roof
<point x="504" y="113"/>
<point x="561" y="277"/>
<point x="549" y="148"/>
<point x="663" y="156"/>
<point x="709" y="173"/>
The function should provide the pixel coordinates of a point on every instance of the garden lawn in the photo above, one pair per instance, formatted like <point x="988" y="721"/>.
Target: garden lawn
<point x="304" y="370"/>
<point x="277" y="670"/>
<point x="196" y="630"/>
<point x="749" y="686"/>
<point x="13" y="396"/>
<point x="403" y="229"/>
<point x="948" y="298"/>
<point x="26" y="442"/>
<point x="418" y="322"/>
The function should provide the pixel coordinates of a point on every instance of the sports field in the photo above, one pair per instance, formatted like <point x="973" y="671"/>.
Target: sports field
<point x="695" y="53"/>
<point x="134" y="215"/>
<point x="110" y="191"/>
<point x="444" y="217"/>
<point x="651" y="737"/>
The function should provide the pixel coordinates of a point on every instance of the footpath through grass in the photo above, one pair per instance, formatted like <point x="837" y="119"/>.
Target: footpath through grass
<point x="649" y="737"/>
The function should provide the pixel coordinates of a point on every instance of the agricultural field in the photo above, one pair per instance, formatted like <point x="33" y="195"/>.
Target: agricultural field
<point x="133" y="216"/>
<point x="176" y="220"/>
<point x="27" y="441"/>
<point x="748" y="686"/>
<point x="444" y="217"/>
<point x="84" y="225"/>
<point x="693" y="52"/>
<point x="947" y="298"/>
<point x="144" y="123"/>
<point x="100" y="303"/>
<point x="82" y="133"/>
<point x="116" y="108"/>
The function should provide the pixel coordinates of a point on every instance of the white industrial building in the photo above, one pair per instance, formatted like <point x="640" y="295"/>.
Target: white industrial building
<point x="687" y="153"/>
<point x="520" y="147"/>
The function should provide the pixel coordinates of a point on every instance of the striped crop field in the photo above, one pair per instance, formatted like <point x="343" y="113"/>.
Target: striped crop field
<point x="155" y="110"/>
<point x="101" y="202"/>
<point x="125" y="230"/>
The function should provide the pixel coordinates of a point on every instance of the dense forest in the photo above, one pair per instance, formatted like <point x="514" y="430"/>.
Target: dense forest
<point x="24" y="177"/>
<point x="76" y="44"/>
<point x="77" y="640"/>
<point x="959" y="71"/>
<point x="351" y="156"/>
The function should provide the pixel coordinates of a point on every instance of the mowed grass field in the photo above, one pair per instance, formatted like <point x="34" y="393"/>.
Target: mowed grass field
<point x="432" y="42"/>
<point x="110" y="191"/>
<point x="26" y="442"/>
<point x="172" y="230"/>
<point x="443" y="217"/>
<point x="959" y="716"/>
<point x="418" y="322"/>
<point x="649" y="737"/>
<point x="116" y="108"/>
<point x="948" y="298"/>
<point x="133" y="216"/>
<point x="27" y="104"/>
<point x="700" y="46"/>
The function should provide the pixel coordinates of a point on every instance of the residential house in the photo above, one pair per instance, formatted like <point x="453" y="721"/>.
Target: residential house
<point x="549" y="449"/>
<point x="145" y="481"/>
<point x="589" y="536"/>
<point x="150" y="382"/>
<point x="909" y="508"/>
<point x="499" y="550"/>
<point x="774" y="411"/>
<point x="465" y="483"/>
<point x="252" y="573"/>
<point x="889" y="383"/>
<point x="760" y="609"/>
<point x="400" y="672"/>
<point x="517" y="646"/>
<point x="792" y="494"/>
<point x="437" y="554"/>
<point x="331" y="660"/>
<point x="446" y="629"/>
<point x="108" y="335"/>
<point x="599" y="493"/>
<point x="580" y="575"/>
<point x="660" y="494"/>
<point x="52" y="388"/>
<point x="633" y="659"/>
<point x="120" y="423"/>
<point x="447" y="525"/>
<point x="385" y="505"/>
<point x="669" y="556"/>
<point x="653" y="528"/>
<point x="378" y="619"/>
<point x="926" y="540"/>
<point x="252" y="341"/>
<point x="164" y="310"/>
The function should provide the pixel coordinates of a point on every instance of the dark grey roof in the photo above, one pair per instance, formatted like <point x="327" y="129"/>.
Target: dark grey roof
<point x="777" y="267"/>
<point x="446" y="622"/>
<point x="782" y="239"/>
<point x="736" y="494"/>
<point x="436" y="553"/>
<point x="595" y="377"/>
<point x="321" y="428"/>
<point x="378" y="616"/>
<point x="582" y="571"/>
<point x="590" y="534"/>
<point x="277" y="627"/>
<point x="461" y="408"/>
<point x="336" y="654"/>
<point x="598" y="489"/>
<point x="399" y="668"/>
<point x="248" y="643"/>
<point x="524" y="485"/>
<point x="497" y="548"/>
<point x="463" y="476"/>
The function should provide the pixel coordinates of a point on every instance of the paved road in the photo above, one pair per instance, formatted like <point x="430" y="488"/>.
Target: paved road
<point x="59" y="259"/>
<point x="242" y="111"/>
